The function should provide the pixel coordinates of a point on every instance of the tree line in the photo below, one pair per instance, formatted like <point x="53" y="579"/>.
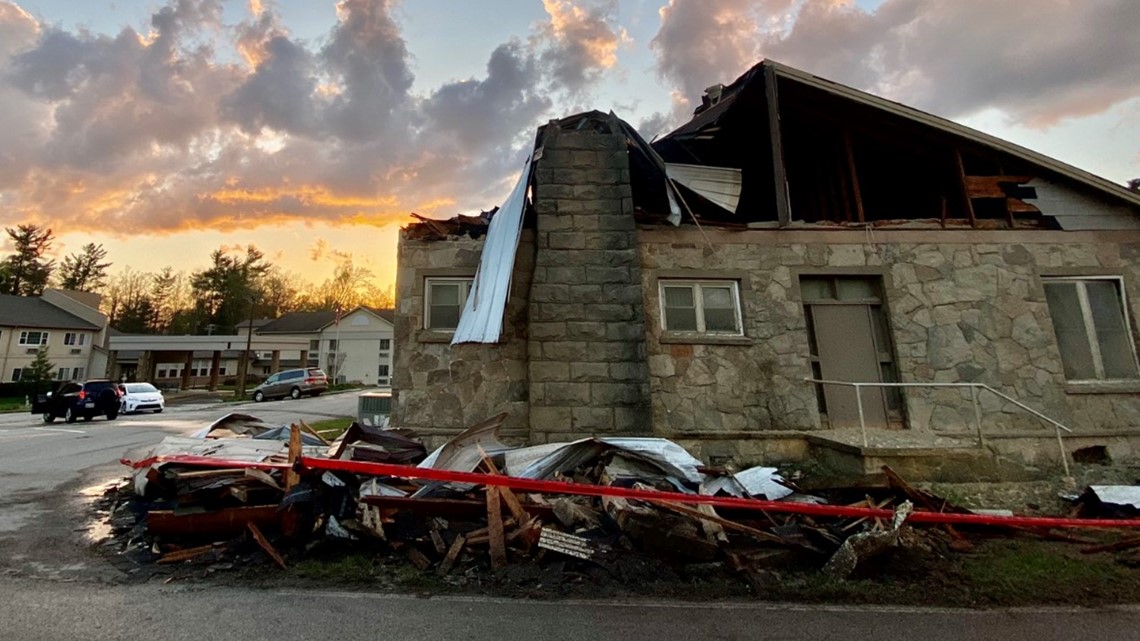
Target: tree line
<point x="234" y="286"/>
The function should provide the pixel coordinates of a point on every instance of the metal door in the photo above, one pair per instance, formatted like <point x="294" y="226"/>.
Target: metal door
<point x="845" y="339"/>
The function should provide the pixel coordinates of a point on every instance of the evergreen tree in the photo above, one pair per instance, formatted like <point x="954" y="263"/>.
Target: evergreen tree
<point x="40" y="371"/>
<point x="25" y="272"/>
<point x="85" y="271"/>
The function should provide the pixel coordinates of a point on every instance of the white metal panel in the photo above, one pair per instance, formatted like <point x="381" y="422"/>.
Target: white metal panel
<point x="721" y="185"/>
<point x="482" y="318"/>
<point x="1075" y="210"/>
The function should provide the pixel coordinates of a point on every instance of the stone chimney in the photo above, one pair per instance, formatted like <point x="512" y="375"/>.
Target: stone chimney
<point x="586" y="350"/>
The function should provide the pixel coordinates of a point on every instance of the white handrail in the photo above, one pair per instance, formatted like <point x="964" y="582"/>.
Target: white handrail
<point x="974" y="387"/>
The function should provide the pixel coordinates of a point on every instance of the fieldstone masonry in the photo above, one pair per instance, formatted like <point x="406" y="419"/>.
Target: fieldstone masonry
<point x="583" y="351"/>
<point x="586" y="348"/>
<point x="962" y="306"/>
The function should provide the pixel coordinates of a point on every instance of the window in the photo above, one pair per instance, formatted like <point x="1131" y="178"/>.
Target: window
<point x="82" y="339"/>
<point x="1090" y="319"/>
<point x="443" y="302"/>
<point x="385" y="344"/>
<point x="332" y="344"/>
<point x="706" y="307"/>
<point x="78" y="373"/>
<point x="16" y="373"/>
<point x="382" y="375"/>
<point x="70" y="338"/>
<point x="63" y="374"/>
<point x="222" y="371"/>
<point x="33" y="338"/>
<point x="162" y="373"/>
<point x="314" y="346"/>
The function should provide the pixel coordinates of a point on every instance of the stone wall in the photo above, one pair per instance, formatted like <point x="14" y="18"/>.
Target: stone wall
<point x="586" y="352"/>
<point x="441" y="389"/>
<point x="962" y="306"/>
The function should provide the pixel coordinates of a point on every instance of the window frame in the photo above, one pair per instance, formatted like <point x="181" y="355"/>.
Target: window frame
<point x="465" y="285"/>
<point x="17" y="374"/>
<point x="1090" y="325"/>
<point x="45" y="337"/>
<point x="385" y="345"/>
<point x="697" y="285"/>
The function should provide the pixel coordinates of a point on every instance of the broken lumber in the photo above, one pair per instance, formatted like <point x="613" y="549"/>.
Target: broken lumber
<point x="498" y="546"/>
<point x="1125" y="544"/>
<point x="291" y="476"/>
<point x="419" y="559"/>
<point x="266" y="545"/>
<point x="452" y="554"/>
<point x="186" y="554"/>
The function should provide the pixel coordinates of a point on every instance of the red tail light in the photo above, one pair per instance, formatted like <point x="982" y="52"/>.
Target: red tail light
<point x="312" y="380"/>
<point x="82" y="394"/>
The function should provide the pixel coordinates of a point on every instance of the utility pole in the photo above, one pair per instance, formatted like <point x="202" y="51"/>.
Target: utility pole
<point x="245" y="356"/>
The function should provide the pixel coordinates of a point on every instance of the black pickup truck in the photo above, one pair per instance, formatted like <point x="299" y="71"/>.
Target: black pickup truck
<point x="73" y="400"/>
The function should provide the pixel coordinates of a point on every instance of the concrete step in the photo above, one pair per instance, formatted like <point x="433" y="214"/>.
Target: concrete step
<point x="917" y="456"/>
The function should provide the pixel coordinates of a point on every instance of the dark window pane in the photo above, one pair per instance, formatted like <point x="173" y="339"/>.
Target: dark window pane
<point x="445" y="293"/>
<point x="720" y="320"/>
<point x="817" y="374"/>
<point x="717" y="297"/>
<point x="857" y="288"/>
<point x="444" y="316"/>
<point x="680" y="319"/>
<point x="678" y="296"/>
<point x="816" y="289"/>
<point x="1111" y="333"/>
<point x="1069" y="325"/>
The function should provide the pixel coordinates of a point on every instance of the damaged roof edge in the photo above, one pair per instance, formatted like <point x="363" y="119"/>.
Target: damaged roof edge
<point x="951" y="127"/>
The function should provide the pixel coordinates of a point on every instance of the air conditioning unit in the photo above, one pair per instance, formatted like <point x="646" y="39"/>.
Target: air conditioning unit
<point x="76" y="351"/>
<point x="31" y="350"/>
<point x="374" y="408"/>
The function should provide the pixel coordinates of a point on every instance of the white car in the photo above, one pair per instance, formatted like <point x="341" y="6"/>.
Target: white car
<point x="138" y="397"/>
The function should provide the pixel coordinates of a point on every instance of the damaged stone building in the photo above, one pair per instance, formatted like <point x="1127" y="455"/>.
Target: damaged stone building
<point x="794" y="231"/>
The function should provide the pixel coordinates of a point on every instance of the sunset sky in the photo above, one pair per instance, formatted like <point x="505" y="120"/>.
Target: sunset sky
<point x="167" y="129"/>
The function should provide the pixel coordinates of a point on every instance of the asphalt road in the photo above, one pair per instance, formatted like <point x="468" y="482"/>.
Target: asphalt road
<point x="53" y="586"/>
<point x="35" y="611"/>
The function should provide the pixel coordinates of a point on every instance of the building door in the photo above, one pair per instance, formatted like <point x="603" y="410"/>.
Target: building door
<point x="850" y="342"/>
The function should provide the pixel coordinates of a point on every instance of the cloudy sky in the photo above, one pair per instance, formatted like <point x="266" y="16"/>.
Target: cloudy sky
<point x="166" y="129"/>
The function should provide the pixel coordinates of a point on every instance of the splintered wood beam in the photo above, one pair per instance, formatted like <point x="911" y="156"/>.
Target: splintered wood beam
<point x="452" y="554"/>
<point x="965" y="188"/>
<point x="498" y="544"/>
<point x="779" y="172"/>
<point x="849" y="151"/>
<point x="266" y="545"/>
<point x="291" y="477"/>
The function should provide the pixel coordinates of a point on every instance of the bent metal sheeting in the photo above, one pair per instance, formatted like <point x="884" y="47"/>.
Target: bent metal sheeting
<point x="482" y="318"/>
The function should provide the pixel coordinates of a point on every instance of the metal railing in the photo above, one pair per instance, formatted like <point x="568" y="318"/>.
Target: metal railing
<point x="974" y="388"/>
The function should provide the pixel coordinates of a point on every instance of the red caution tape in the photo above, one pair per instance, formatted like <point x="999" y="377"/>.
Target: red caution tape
<point x="582" y="489"/>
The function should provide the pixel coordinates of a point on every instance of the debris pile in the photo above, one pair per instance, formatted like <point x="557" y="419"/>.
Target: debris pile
<point x="242" y="488"/>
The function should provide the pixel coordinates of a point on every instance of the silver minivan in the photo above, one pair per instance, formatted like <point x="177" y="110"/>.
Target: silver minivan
<point x="293" y="383"/>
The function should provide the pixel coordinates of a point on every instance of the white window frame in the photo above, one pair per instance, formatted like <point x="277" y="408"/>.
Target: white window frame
<point x="44" y="338"/>
<point x="465" y="284"/>
<point x="1090" y="327"/>
<point x="383" y="374"/>
<point x="699" y="305"/>
<point x="70" y="338"/>
<point x="384" y="349"/>
<point x="63" y="374"/>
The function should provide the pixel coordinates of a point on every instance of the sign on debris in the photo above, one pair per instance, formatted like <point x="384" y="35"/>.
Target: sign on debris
<point x="568" y="544"/>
